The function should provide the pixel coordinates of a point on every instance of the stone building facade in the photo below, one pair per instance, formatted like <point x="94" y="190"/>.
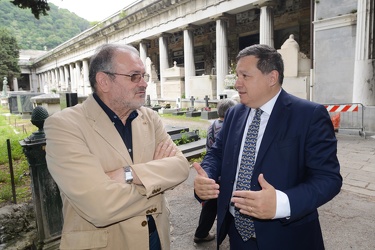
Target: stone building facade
<point x="204" y="37"/>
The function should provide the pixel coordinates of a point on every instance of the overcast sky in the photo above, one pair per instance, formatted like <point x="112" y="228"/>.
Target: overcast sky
<point x="92" y="10"/>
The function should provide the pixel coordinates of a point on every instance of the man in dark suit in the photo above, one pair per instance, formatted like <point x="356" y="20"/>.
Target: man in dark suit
<point x="296" y="169"/>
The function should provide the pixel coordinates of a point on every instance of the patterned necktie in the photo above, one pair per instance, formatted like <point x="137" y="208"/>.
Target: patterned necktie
<point x="244" y="223"/>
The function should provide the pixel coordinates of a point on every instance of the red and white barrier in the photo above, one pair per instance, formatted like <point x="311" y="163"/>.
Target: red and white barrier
<point x="351" y="120"/>
<point x="342" y="108"/>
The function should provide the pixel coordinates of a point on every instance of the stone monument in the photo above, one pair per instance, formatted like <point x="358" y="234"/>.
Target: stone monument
<point x="207" y="113"/>
<point x="5" y="86"/>
<point x="191" y="110"/>
<point x="296" y="69"/>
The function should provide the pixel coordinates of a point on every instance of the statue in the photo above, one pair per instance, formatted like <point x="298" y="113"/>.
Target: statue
<point x="5" y="82"/>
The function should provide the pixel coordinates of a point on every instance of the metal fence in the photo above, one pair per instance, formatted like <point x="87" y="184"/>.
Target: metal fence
<point x="348" y="115"/>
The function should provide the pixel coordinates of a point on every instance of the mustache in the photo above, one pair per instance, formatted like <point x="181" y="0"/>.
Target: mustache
<point x="141" y="89"/>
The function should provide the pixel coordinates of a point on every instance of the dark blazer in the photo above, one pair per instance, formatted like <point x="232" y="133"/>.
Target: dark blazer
<point x="297" y="156"/>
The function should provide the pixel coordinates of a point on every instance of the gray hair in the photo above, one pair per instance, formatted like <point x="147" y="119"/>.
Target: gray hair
<point x="102" y="60"/>
<point x="223" y="106"/>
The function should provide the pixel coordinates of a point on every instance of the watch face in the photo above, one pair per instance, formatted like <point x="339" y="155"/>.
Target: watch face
<point x="128" y="175"/>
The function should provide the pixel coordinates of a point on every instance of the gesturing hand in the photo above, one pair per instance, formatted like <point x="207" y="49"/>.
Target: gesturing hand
<point x="204" y="187"/>
<point x="260" y="204"/>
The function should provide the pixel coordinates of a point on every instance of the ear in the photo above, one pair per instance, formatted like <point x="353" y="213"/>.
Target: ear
<point x="273" y="78"/>
<point x="103" y="80"/>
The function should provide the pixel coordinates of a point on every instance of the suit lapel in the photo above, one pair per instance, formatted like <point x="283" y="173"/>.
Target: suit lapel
<point x="141" y="136"/>
<point x="234" y="139"/>
<point x="101" y="123"/>
<point x="277" y="121"/>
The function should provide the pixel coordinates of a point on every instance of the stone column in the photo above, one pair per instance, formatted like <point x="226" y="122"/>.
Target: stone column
<point x="188" y="58"/>
<point x="163" y="51"/>
<point x="266" y="25"/>
<point x="58" y="87"/>
<point x="221" y="54"/>
<point x="364" y="80"/>
<point x="61" y="78"/>
<point x="54" y="79"/>
<point x="51" y="79"/>
<point x="86" y="82"/>
<point x="67" y="78"/>
<point x="79" y="82"/>
<point x="45" y="87"/>
<point x="15" y="84"/>
<point x="40" y="85"/>
<point x="143" y="51"/>
<point x="72" y="78"/>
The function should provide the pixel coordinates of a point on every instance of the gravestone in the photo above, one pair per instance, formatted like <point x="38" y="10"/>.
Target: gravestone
<point x="207" y="113"/>
<point x="192" y="99"/>
<point x="68" y="100"/>
<point x="207" y="107"/>
<point x="191" y="110"/>
<point x="178" y="102"/>
<point x="179" y="112"/>
<point x="223" y="96"/>
<point x="148" y="101"/>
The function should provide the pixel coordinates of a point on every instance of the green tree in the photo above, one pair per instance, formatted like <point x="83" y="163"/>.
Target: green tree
<point x="48" y="32"/>
<point x="9" y="54"/>
<point x="37" y="7"/>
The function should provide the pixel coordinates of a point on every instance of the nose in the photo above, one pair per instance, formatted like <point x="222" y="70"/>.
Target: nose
<point x="143" y="82"/>
<point x="237" y="84"/>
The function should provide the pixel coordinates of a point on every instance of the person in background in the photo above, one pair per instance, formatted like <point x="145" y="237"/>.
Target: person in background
<point x="276" y="155"/>
<point x="113" y="160"/>
<point x="209" y="207"/>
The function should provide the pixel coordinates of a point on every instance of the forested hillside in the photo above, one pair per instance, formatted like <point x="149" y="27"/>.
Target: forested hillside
<point x="46" y="33"/>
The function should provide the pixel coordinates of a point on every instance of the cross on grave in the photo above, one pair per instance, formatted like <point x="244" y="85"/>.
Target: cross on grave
<point x="206" y="99"/>
<point x="192" y="99"/>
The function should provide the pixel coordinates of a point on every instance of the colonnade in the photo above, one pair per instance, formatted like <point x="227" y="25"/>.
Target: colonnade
<point x="74" y="76"/>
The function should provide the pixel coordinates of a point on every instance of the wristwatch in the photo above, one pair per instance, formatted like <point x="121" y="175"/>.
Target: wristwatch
<point x="128" y="174"/>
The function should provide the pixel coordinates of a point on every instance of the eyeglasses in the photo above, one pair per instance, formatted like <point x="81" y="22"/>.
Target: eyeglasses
<point x="136" y="78"/>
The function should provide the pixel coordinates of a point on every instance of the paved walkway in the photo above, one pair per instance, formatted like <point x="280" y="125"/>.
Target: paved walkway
<point x="347" y="221"/>
<point x="357" y="159"/>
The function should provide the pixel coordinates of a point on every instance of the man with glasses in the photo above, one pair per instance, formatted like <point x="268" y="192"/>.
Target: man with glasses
<point x="113" y="160"/>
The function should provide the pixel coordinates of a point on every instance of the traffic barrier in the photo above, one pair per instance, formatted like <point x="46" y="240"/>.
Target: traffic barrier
<point x="347" y="116"/>
<point x="342" y="107"/>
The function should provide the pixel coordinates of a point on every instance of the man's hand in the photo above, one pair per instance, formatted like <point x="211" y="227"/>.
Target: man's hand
<point x="259" y="204"/>
<point x="204" y="187"/>
<point x="163" y="150"/>
<point x="117" y="175"/>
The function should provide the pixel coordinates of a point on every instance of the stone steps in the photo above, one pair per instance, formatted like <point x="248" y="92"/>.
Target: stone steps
<point x="193" y="149"/>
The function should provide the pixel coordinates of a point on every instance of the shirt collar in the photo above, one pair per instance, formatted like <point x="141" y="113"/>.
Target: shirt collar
<point x="268" y="106"/>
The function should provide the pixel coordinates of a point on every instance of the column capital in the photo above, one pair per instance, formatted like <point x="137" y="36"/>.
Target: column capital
<point x="145" y="41"/>
<point x="190" y="27"/>
<point x="165" y="34"/>
<point x="262" y="3"/>
<point x="221" y="16"/>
